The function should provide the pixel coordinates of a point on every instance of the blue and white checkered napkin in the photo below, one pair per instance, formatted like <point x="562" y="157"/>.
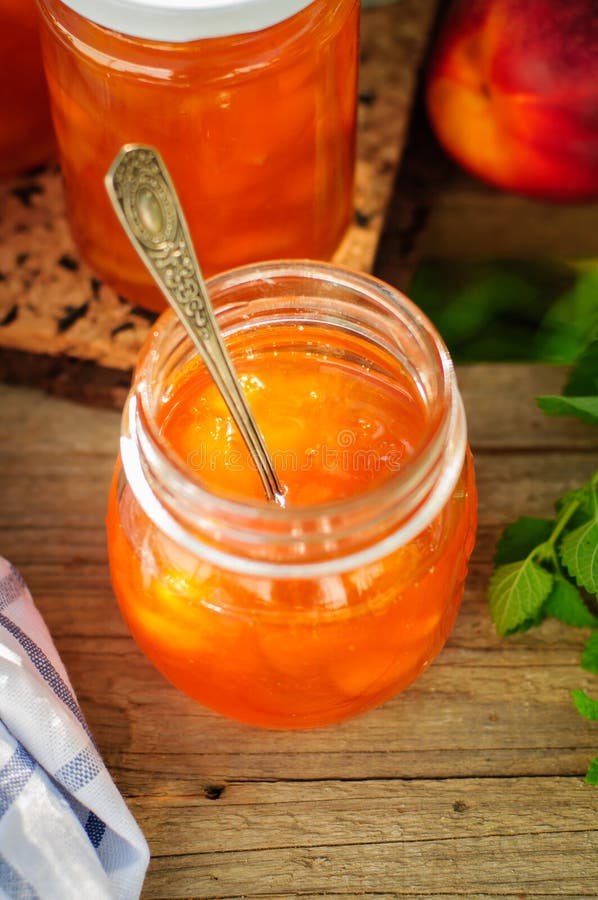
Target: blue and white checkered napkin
<point x="65" y="830"/>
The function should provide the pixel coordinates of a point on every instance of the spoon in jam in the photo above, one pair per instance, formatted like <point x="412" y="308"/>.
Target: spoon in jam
<point x="149" y="210"/>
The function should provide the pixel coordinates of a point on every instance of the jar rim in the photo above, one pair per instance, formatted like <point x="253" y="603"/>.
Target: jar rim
<point x="416" y="487"/>
<point x="179" y="21"/>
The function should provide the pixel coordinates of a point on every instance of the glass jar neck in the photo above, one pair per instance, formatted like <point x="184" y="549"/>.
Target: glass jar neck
<point x="222" y="58"/>
<point x="180" y="21"/>
<point x="384" y="329"/>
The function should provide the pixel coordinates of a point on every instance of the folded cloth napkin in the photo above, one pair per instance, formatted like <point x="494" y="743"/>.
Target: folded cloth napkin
<point x="65" y="831"/>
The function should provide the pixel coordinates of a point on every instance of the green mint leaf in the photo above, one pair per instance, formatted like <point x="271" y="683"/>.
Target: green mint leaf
<point x="571" y="322"/>
<point x="592" y="773"/>
<point x="579" y="554"/>
<point x="586" y="706"/>
<point x="517" y="592"/>
<point x="583" y="379"/>
<point x="566" y="604"/>
<point x="520" y="538"/>
<point x="584" y="496"/>
<point x="585" y="408"/>
<point x="589" y="657"/>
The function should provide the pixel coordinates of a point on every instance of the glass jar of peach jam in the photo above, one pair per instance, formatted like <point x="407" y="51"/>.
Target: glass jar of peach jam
<point x="309" y="614"/>
<point x="251" y="103"/>
<point x="26" y="136"/>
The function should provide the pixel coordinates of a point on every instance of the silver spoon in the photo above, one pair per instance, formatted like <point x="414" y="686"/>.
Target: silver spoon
<point x="147" y="205"/>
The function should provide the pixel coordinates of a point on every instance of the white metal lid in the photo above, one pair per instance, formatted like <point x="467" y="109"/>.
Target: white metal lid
<point x="186" y="20"/>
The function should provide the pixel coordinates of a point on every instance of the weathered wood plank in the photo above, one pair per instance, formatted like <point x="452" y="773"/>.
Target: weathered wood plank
<point x="265" y="815"/>
<point x="399" y="837"/>
<point x="313" y="825"/>
<point x="497" y="864"/>
<point x="514" y="227"/>
<point x="502" y="413"/>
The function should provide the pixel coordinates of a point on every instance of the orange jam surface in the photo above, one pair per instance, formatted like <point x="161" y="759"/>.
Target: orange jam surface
<point x="285" y="652"/>
<point x="257" y="132"/>
<point x="331" y="432"/>
<point x="26" y="136"/>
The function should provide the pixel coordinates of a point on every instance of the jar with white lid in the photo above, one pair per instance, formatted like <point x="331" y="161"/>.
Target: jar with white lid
<point x="251" y="103"/>
<point x="303" y="615"/>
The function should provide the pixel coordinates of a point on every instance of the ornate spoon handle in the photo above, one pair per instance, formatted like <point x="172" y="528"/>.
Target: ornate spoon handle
<point x="147" y="205"/>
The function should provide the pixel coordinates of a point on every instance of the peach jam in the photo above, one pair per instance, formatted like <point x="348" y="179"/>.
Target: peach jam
<point x="251" y="104"/>
<point x="304" y="615"/>
<point x="26" y="136"/>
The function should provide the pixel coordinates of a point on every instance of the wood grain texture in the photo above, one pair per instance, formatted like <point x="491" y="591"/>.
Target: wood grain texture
<point x="515" y="227"/>
<point x="62" y="329"/>
<point x="468" y="785"/>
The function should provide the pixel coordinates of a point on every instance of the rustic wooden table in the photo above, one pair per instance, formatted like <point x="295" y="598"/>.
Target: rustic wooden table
<point x="467" y="785"/>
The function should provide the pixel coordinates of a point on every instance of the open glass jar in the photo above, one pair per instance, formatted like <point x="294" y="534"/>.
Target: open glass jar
<point x="26" y="135"/>
<point x="251" y="103"/>
<point x="305" y="615"/>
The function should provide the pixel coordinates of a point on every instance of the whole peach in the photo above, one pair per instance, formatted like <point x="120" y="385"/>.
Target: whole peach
<point x="512" y="94"/>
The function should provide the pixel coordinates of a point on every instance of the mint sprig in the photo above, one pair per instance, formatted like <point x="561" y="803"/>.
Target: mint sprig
<point x="522" y="592"/>
<point x="549" y="567"/>
<point x="517" y="594"/>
